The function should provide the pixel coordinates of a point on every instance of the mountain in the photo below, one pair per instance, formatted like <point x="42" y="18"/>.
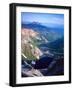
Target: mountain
<point x="36" y="26"/>
<point x="38" y="40"/>
<point x="30" y="49"/>
<point x="42" y="50"/>
<point x="50" y="34"/>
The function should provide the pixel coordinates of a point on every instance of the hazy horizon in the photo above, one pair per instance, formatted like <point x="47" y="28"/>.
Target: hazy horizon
<point x="50" y="20"/>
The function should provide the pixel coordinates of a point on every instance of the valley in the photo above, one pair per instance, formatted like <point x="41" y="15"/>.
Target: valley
<point x="42" y="50"/>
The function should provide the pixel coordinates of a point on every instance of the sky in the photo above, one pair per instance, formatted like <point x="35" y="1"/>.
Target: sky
<point x="50" y="20"/>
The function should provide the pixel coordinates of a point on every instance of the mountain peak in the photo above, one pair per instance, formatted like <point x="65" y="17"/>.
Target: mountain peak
<point x="36" y="23"/>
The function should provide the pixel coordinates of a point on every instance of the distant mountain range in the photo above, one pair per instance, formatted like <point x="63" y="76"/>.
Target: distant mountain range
<point x="41" y="27"/>
<point x="49" y="33"/>
<point x="36" y="26"/>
